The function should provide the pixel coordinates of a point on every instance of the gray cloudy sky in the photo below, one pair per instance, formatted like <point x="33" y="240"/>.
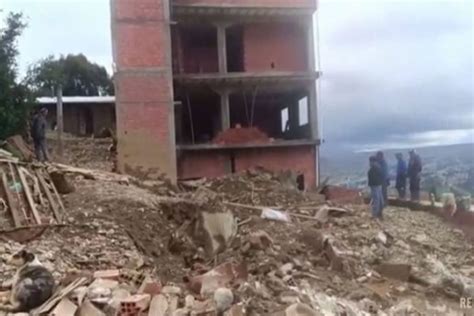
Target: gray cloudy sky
<point x="395" y="73"/>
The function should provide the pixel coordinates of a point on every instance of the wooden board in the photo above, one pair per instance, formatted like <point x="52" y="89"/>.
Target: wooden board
<point x="16" y="217"/>
<point x="52" y="203"/>
<point x="58" y="197"/>
<point x="29" y="196"/>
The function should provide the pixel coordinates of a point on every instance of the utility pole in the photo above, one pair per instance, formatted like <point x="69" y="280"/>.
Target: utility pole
<point x="59" y="118"/>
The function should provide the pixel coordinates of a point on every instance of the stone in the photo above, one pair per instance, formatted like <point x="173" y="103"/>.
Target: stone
<point x="398" y="271"/>
<point x="158" y="306"/>
<point x="236" y="310"/>
<point x="99" y="294"/>
<point x="181" y="312"/>
<point x="118" y="295"/>
<point x="215" y="231"/>
<point x="221" y="276"/>
<point x="286" y="268"/>
<point x="64" y="308"/>
<point x="189" y="301"/>
<point x="382" y="238"/>
<point x="79" y="294"/>
<point x="223" y="298"/>
<point x="260" y="240"/>
<point x="173" y="290"/>
<point x="88" y="309"/>
<point x="368" y="306"/>
<point x="300" y="309"/>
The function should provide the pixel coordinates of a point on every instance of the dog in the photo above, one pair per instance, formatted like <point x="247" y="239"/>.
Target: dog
<point x="30" y="287"/>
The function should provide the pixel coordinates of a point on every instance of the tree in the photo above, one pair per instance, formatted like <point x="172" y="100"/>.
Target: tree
<point x="15" y="98"/>
<point x="77" y="75"/>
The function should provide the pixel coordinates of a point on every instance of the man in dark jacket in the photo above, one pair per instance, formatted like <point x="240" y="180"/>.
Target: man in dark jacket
<point x="38" y="133"/>
<point x="386" y="177"/>
<point x="376" y="179"/>
<point x="401" y="182"/>
<point x="414" y="175"/>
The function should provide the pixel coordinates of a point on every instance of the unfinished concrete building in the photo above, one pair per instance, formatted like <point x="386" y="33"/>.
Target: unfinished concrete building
<point x="188" y="69"/>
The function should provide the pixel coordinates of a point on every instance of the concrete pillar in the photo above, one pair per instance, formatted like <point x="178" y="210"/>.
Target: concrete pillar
<point x="313" y="110"/>
<point x="309" y="25"/>
<point x="222" y="47"/>
<point x="225" y="109"/>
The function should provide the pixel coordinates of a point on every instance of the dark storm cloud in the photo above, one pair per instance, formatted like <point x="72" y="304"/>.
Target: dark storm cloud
<point x="394" y="70"/>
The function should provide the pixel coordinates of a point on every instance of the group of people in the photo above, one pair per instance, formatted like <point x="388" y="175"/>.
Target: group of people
<point x="379" y="179"/>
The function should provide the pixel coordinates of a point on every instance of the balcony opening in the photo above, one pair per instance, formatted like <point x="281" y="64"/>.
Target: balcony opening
<point x="197" y="117"/>
<point x="235" y="49"/>
<point x="195" y="49"/>
<point x="273" y="113"/>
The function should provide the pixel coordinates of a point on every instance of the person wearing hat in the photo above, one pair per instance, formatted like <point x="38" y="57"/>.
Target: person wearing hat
<point x="375" y="181"/>
<point x="414" y="175"/>
<point x="38" y="133"/>
<point x="401" y="181"/>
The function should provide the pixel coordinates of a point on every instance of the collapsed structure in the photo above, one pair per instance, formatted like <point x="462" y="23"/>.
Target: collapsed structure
<point x="189" y="69"/>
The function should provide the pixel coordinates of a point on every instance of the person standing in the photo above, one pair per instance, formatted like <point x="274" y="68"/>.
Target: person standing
<point x="38" y="133"/>
<point x="401" y="182"/>
<point x="414" y="175"/>
<point x="375" y="181"/>
<point x="386" y="178"/>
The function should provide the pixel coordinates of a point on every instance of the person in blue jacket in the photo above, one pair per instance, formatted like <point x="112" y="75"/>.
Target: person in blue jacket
<point x="401" y="182"/>
<point x="386" y="178"/>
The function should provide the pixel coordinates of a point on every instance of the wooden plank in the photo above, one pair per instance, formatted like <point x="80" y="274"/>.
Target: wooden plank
<point x="16" y="217"/>
<point x="58" y="197"/>
<point x="29" y="196"/>
<point x="52" y="204"/>
<point x="20" y="200"/>
<point x="46" y="190"/>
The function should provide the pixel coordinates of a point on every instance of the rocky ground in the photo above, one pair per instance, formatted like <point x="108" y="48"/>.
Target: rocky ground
<point x="334" y="259"/>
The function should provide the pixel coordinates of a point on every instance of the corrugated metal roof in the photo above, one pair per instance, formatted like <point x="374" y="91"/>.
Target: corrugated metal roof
<point x="93" y="99"/>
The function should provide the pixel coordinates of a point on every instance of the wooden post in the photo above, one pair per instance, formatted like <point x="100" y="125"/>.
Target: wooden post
<point x="59" y="118"/>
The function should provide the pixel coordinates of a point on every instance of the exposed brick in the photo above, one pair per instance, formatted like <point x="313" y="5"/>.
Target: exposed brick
<point x="138" y="10"/>
<point x="141" y="45"/>
<point x="202" y="164"/>
<point x="300" y="159"/>
<point x="151" y="117"/>
<point x="251" y="3"/>
<point x="343" y="195"/>
<point x="143" y="88"/>
<point x="287" y="42"/>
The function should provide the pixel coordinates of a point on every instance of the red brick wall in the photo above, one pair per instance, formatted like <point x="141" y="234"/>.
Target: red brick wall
<point x="283" y="44"/>
<point x="209" y="164"/>
<point x="301" y="159"/>
<point x="251" y="3"/>
<point x="143" y="82"/>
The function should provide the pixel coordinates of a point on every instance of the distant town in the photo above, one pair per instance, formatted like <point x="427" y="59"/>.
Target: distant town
<point x="445" y="168"/>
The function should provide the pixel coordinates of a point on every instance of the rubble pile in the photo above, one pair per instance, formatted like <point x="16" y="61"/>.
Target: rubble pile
<point x="85" y="152"/>
<point x="241" y="135"/>
<point x="244" y="244"/>
<point x="257" y="187"/>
